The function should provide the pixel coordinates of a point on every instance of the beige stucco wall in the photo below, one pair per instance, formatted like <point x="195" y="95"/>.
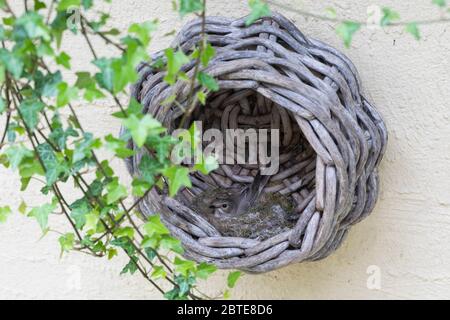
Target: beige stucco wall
<point x="406" y="241"/>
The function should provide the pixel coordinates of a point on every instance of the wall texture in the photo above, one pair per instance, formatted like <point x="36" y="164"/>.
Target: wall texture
<point x="405" y="243"/>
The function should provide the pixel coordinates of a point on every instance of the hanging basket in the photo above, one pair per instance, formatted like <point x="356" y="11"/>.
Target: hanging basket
<point x="331" y="142"/>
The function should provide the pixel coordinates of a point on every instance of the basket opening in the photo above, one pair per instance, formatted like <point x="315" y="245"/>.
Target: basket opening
<point x="243" y="112"/>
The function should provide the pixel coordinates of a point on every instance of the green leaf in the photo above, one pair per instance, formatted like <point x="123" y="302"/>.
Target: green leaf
<point x="41" y="214"/>
<point x="4" y="213"/>
<point x="413" y="29"/>
<point x="66" y="242"/>
<point x="63" y="60"/>
<point x="140" y="187"/>
<point x="440" y="3"/>
<point x="52" y="166"/>
<point x="143" y="30"/>
<point x="22" y="207"/>
<point x="201" y="96"/>
<point x="116" y="192"/>
<point x="259" y="9"/>
<point x="184" y="267"/>
<point x="124" y="232"/>
<point x="158" y="272"/>
<point x="66" y="94"/>
<point x="207" y="81"/>
<point x="175" y="60"/>
<point x="29" y="110"/>
<point x="149" y="168"/>
<point x="207" y="165"/>
<point x="86" y="82"/>
<point x="170" y="243"/>
<point x="16" y="154"/>
<point x="31" y="25"/>
<point x="140" y="129"/>
<point x="233" y="278"/>
<point x="67" y="4"/>
<point x="154" y="226"/>
<point x="92" y="220"/>
<point x="204" y="270"/>
<point x="389" y="16"/>
<point x="14" y="65"/>
<point x="118" y="146"/>
<point x="190" y="6"/>
<point x="346" y="30"/>
<point x="178" y="177"/>
<point x="207" y="54"/>
<point x="131" y="267"/>
<point x="79" y="210"/>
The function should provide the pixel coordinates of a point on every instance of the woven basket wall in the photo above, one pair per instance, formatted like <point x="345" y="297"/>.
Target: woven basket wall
<point x="332" y="139"/>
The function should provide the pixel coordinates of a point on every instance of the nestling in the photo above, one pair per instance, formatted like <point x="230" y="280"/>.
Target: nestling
<point x="246" y="212"/>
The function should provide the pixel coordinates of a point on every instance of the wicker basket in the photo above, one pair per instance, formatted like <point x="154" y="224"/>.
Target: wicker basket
<point x="332" y="139"/>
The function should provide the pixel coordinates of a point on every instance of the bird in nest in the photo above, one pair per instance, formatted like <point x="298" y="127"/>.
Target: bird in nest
<point x="246" y="212"/>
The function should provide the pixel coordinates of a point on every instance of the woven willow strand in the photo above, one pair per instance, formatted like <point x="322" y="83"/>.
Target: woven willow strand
<point x="332" y="139"/>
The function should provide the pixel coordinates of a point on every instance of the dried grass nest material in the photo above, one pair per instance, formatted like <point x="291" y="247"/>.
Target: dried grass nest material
<point x="332" y="139"/>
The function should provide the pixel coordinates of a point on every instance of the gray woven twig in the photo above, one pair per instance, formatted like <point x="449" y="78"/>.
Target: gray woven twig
<point x="271" y="74"/>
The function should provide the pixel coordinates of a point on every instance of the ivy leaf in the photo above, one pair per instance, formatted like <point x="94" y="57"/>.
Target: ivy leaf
<point x="63" y="60"/>
<point x="154" y="226"/>
<point x="30" y="112"/>
<point x="140" y="187"/>
<point x="67" y="4"/>
<point x="116" y="192"/>
<point x="52" y="166"/>
<point x="233" y="278"/>
<point x="346" y="30"/>
<point x="259" y="9"/>
<point x="41" y="214"/>
<point x="190" y="6"/>
<point x="131" y="266"/>
<point x="22" y="207"/>
<point x="16" y="154"/>
<point x="4" y="213"/>
<point x="31" y="25"/>
<point x="92" y="220"/>
<point x="143" y="30"/>
<point x="66" y="242"/>
<point x="389" y="16"/>
<point x="440" y="3"/>
<point x="201" y="96"/>
<point x="175" y="60"/>
<point x="125" y="232"/>
<point x="204" y="270"/>
<point x="207" y="165"/>
<point x="86" y="82"/>
<point x="184" y="267"/>
<point x="79" y="210"/>
<point x="158" y="272"/>
<point x="12" y="62"/>
<point x="178" y="177"/>
<point x="47" y="86"/>
<point x="413" y="29"/>
<point x="207" y="81"/>
<point x="118" y="146"/>
<point x="208" y="54"/>
<point x="140" y="129"/>
<point x="149" y="168"/>
<point x="66" y="94"/>
<point x="170" y="243"/>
